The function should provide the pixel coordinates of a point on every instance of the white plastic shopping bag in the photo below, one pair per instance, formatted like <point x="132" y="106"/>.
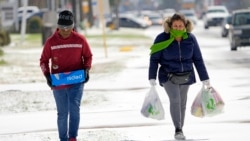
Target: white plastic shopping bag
<point x="208" y="102"/>
<point x="212" y="102"/>
<point x="152" y="106"/>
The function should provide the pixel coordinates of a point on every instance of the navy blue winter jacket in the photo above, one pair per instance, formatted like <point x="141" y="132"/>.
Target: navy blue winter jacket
<point x="178" y="57"/>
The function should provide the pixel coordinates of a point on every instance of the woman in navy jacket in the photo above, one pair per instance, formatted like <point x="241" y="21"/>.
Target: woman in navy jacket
<point x="175" y="51"/>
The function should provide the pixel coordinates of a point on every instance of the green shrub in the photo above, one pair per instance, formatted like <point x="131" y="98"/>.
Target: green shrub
<point x="34" y="25"/>
<point x="4" y="38"/>
<point x="2" y="62"/>
<point x="1" y="52"/>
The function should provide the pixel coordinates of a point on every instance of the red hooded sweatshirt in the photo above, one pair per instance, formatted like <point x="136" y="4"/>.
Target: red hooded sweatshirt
<point x="69" y="54"/>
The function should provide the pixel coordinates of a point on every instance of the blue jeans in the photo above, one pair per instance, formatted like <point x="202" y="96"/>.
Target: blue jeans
<point x="68" y="101"/>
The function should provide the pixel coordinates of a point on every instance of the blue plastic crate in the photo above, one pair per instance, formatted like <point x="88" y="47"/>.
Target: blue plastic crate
<point x="67" y="78"/>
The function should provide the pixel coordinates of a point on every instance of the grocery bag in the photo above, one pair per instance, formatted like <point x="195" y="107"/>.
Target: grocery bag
<point x="212" y="102"/>
<point x="196" y="108"/>
<point x="152" y="106"/>
<point x="208" y="102"/>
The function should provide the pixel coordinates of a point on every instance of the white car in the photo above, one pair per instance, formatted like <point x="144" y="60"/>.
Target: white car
<point x="168" y="12"/>
<point x="190" y="14"/>
<point x="214" y="16"/>
<point x="29" y="11"/>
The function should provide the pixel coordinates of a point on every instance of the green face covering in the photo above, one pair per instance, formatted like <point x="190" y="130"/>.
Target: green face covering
<point x="178" y="33"/>
<point x="173" y="34"/>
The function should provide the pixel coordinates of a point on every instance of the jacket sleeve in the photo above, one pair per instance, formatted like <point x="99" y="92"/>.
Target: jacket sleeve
<point x="153" y="65"/>
<point x="198" y="61"/>
<point x="45" y="57"/>
<point x="87" y="55"/>
<point x="154" y="60"/>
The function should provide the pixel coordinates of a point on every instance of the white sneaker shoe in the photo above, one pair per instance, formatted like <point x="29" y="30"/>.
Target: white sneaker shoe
<point x="179" y="136"/>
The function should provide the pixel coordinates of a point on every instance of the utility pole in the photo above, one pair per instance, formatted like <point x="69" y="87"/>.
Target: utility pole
<point x="74" y="12"/>
<point x="90" y="14"/>
<point x="101" y="16"/>
<point x="116" y="20"/>
<point x="23" y="25"/>
<point x="81" y="15"/>
<point x="49" y="21"/>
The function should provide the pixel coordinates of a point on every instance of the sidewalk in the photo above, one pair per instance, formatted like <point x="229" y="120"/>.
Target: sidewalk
<point x="120" y="116"/>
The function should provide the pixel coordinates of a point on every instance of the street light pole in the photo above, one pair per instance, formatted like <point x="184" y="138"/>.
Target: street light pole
<point x="101" y="15"/>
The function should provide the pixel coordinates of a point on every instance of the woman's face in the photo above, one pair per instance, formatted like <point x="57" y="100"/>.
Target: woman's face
<point x="65" y="32"/>
<point x="178" y="25"/>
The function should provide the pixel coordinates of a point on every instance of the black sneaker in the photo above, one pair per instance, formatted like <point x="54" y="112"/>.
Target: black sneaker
<point x="179" y="135"/>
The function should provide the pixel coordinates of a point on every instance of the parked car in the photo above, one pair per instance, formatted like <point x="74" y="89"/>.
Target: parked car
<point x="151" y="17"/>
<point x="239" y="32"/>
<point x="168" y="12"/>
<point x="190" y="14"/>
<point x="226" y="25"/>
<point x="33" y="21"/>
<point x="29" y="11"/>
<point x="130" y="22"/>
<point x="214" y="16"/>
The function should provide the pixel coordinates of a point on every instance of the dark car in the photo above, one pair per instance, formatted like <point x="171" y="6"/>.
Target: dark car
<point x="239" y="32"/>
<point x="225" y="26"/>
<point x="130" y="22"/>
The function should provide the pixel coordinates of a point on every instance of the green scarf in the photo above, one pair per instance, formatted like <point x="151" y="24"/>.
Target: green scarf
<point x="164" y="44"/>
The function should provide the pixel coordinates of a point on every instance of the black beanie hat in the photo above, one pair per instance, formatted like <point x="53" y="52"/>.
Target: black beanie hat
<point x="65" y="19"/>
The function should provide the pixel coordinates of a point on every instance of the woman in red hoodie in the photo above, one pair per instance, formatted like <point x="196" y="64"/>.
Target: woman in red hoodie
<point x="66" y="51"/>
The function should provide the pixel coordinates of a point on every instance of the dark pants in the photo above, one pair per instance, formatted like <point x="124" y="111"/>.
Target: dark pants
<point x="178" y="98"/>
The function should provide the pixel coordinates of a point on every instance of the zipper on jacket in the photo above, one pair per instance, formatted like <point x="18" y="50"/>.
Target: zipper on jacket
<point x="179" y="45"/>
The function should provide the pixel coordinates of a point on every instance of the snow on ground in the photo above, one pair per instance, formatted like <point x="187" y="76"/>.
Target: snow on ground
<point x="28" y="107"/>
